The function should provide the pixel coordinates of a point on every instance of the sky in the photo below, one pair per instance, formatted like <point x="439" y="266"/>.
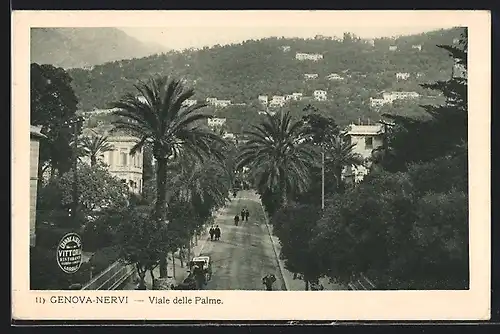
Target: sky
<point x="179" y="38"/>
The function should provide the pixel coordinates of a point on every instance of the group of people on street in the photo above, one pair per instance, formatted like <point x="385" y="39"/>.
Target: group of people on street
<point x="244" y="216"/>
<point x="214" y="232"/>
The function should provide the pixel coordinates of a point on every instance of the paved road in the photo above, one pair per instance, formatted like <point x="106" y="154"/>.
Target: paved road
<point x="244" y="254"/>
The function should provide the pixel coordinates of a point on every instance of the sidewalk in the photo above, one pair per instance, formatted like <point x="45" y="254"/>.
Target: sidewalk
<point x="290" y="283"/>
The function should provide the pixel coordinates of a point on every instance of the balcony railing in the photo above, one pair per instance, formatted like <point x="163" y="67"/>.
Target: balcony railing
<point x="363" y="283"/>
<point x="111" y="278"/>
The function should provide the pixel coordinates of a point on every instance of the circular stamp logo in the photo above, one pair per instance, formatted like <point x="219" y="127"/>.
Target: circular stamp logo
<point x="69" y="253"/>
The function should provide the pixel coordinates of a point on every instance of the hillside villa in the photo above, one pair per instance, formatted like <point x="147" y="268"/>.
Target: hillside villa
<point x="210" y="100"/>
<point x="213" y="101"/>
<point x="277" y="101"/>
<point x="320" y="95"/>
<point x="366" y="138"/>
<point x="391" y="96"/>
<point x="308" y="56"/>
<point x="222" y="103"/>
<point x="216" y="122"/>
<point x="263" y="99"/>
<point x="334" y="76"/>
<point x="120" y="162"/>
<point x="402" y="76"/>
<point x="377" y="103"/>
<point x="310" y="76"/>
<point x="189" y="103"/>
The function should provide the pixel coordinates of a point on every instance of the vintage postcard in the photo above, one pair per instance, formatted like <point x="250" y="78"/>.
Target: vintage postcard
<point x="244" y="165"/>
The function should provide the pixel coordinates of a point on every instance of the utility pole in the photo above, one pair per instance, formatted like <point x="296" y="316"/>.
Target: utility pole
<point x="75" y="173"/>
<point x="74" y="123"/>
<point x="322" y="178"/>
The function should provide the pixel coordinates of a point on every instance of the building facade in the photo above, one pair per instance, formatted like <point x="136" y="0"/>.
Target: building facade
<point x="377" y="103"/>
<point x="308" y="56"/>
<point x="320" y="95"/>
<point x="277" y="101"/>
<point x="222" y="103"/>
<point x="211" y="100"/>
<point x="216" y="122"/>
<point x="263" y="99"/>
<point x="35" y="137"/>
<point x="123" y="165"/>
<point x="311" y="76"/>
<point x="334" y="76"/>
<point x="402" y="75"/>
<point x="391" y="96"/>
<point x="365" y="138"/>
<point x="189" y="103"/>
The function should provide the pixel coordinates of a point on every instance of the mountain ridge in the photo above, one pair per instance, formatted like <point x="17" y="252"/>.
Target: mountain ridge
<point x="76" y="47"/>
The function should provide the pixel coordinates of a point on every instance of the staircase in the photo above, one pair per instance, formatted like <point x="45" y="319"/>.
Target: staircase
<point x="111" y="278"/>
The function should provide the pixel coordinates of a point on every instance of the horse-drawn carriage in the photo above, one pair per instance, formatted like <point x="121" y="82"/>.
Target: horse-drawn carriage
<point x="203" y="264"/>
<point x="200" y="272"/>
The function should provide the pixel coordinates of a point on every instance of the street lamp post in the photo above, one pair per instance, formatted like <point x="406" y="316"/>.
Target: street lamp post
<point x="322" y="178"/>
<point x="74" y="123"/>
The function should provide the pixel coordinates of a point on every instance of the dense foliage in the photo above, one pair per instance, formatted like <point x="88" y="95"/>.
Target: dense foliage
<point x="294" y="226"/>
<point x="53" y="102"/>
<point x="97" y="190"/>
<point x="405" y="226"/>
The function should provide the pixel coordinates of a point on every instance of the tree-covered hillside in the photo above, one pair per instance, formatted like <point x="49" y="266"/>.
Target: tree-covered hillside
<point x="241" y="72"/>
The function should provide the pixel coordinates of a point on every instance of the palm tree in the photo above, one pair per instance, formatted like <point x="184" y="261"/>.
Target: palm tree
<point x="339" y="154"/>
<point x="209" y="181"/>
<point x="159" y="116"/>
<point x="95" y="145"/>
<point x="278" y="155"/>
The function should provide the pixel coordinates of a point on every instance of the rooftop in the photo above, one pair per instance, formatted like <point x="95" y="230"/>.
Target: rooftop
<point x="354" y="129"/>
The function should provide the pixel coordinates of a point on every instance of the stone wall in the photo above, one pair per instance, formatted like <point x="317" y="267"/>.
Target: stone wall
<point x="34" y="151"/>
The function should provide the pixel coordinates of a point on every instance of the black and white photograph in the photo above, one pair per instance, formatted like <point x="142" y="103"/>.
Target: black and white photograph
<point x="249" y="158"/>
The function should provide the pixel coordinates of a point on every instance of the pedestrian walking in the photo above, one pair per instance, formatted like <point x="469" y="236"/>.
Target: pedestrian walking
<point x="243" y="214"/>
<point x="247" y="214"/>
<point x="212" y="232"/>
<point x="217" y="232"/>
<point x="268" y="281"/>
<point x="236" y="220"/>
